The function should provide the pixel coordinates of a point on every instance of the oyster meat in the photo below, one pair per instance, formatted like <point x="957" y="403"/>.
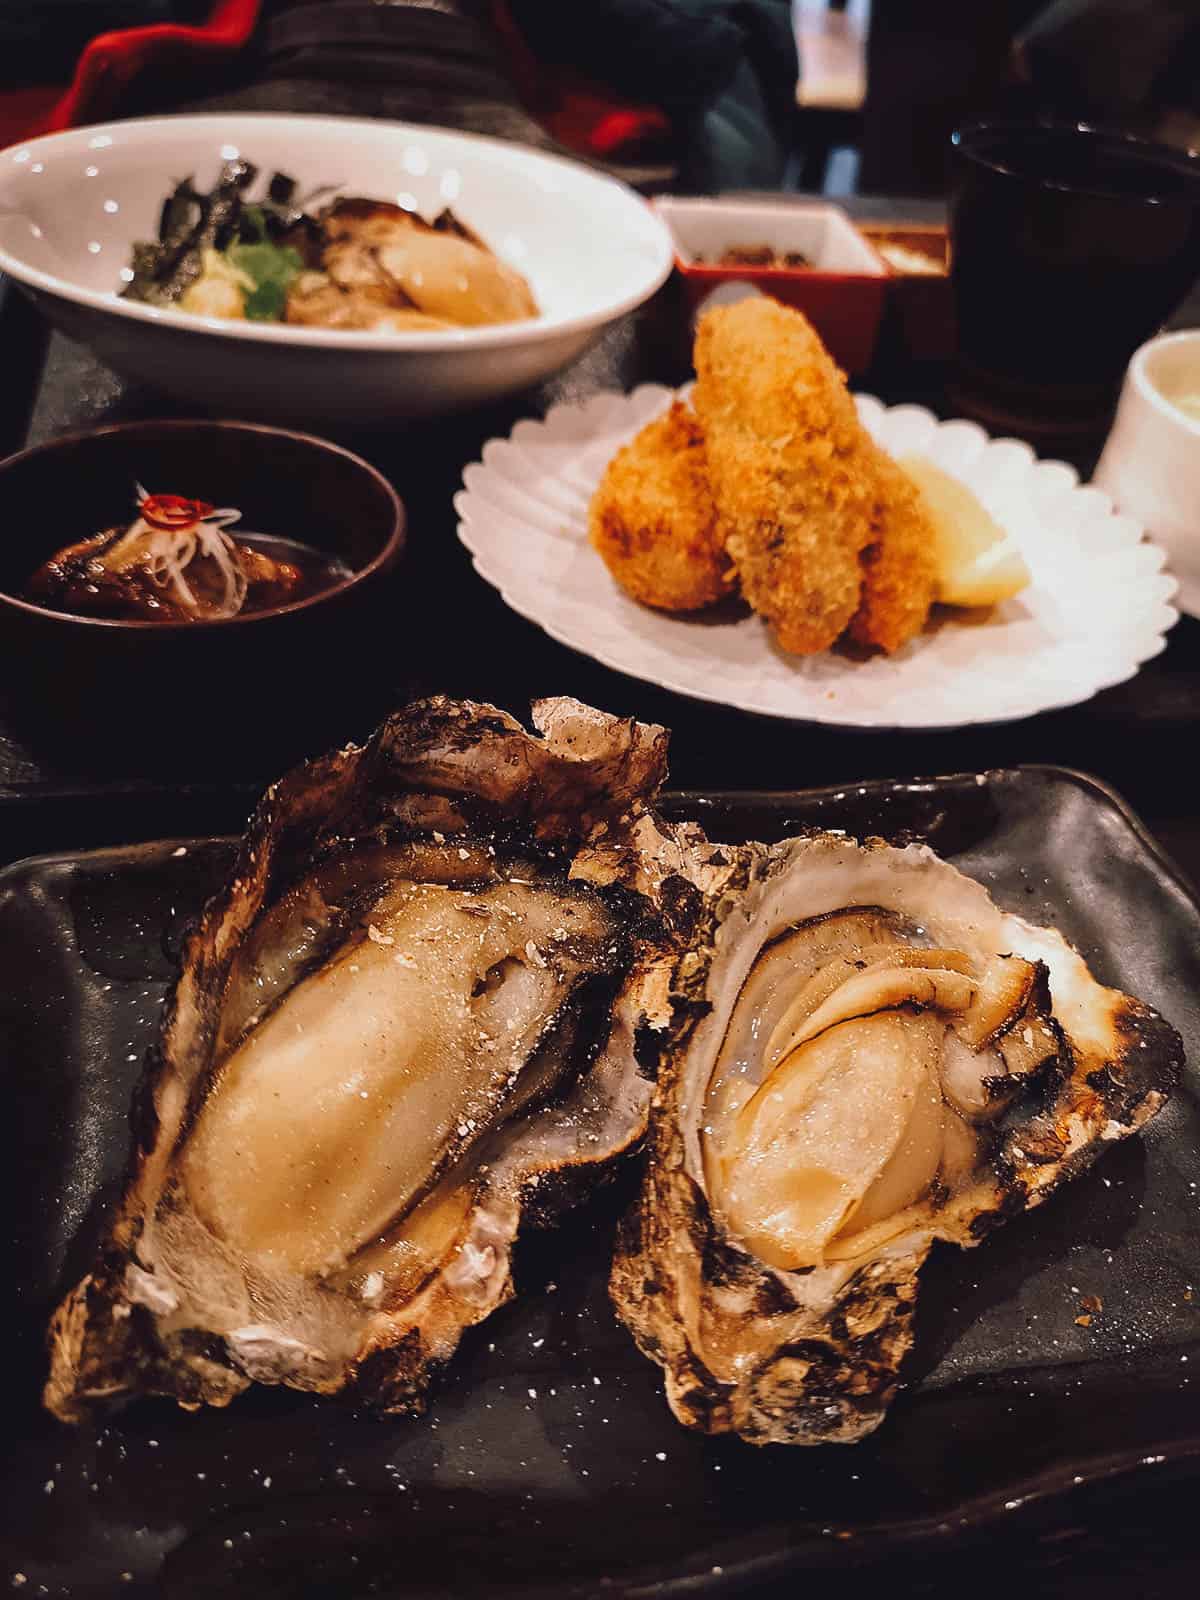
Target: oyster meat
<point x="866" y="1055"/>
<point x="401" y="1030"/>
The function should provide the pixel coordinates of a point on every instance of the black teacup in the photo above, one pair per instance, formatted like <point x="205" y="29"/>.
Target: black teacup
<point x="1070" y="245"/>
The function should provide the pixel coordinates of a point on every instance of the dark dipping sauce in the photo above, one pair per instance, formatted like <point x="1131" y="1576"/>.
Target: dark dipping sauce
<point x="279" y="572"/>
<point x="308" y="571"/>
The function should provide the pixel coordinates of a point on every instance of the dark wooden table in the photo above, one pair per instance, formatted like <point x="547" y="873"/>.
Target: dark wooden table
<point x="443" y="629"/>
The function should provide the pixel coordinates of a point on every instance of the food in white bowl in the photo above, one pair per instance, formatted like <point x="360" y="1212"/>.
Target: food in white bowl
<point x="73" y="205"/>
<point x="353" y="262"/>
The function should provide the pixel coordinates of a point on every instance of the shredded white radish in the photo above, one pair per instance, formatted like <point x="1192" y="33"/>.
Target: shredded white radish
<point x="166" y="554"/>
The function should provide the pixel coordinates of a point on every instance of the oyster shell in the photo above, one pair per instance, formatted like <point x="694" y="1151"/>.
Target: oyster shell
<point x="398" y="1032"/>
<point x="866" y="1055"/>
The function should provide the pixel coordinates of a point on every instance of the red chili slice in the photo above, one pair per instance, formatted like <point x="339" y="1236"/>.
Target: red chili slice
<point x="172" y="510"/>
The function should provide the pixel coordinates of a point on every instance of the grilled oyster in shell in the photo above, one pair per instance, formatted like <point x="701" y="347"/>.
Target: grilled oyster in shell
<point x="402" y="1029"/>
<point x="866" y="1055"/>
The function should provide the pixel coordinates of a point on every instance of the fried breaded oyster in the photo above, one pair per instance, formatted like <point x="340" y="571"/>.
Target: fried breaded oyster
<point x="653" y="520"/>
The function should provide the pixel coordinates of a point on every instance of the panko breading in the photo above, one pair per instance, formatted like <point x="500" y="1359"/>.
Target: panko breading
<point x="792" y="469"/>
<point x="898" y="565"/>
<point x="775" y="486"/>
<point x="654" y="522"/>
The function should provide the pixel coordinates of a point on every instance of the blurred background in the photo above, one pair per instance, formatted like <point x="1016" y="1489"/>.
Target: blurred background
<point x="841" y="96"/>
<point x="883" y="82"/>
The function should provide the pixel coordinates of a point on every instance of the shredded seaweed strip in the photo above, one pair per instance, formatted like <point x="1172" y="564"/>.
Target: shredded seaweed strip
<point x="271" y="240"/>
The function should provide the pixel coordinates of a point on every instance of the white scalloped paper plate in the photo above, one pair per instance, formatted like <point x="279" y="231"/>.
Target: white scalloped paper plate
<point x="1096" y="609"/>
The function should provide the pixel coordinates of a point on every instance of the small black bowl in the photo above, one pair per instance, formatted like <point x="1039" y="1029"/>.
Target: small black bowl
<point x="142" y="693"/>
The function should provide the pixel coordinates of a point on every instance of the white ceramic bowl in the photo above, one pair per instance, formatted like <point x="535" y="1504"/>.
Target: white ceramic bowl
<point x="72" y="204"/>
<point x="1151" y="462"/>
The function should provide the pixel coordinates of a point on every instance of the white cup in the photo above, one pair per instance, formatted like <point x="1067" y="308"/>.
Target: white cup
<point x="1151" y="462"/>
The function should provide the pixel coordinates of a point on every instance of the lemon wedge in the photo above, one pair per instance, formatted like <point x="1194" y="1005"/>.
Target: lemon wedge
<point x="977" y="563"/>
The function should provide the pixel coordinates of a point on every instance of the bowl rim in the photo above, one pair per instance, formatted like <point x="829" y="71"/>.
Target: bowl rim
<point x="496" y="335"/>
<point x="388" y="553"/>
<point x="1186" y="159"/>
<point x="1149" y="391"/>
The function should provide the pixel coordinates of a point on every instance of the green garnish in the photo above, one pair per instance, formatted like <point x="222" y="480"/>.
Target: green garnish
<point x="252" y="224"/>
<point x="273" y="270"/>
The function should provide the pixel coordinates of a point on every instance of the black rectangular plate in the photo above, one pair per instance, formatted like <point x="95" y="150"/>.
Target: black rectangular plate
<point x="548" y="1463"/>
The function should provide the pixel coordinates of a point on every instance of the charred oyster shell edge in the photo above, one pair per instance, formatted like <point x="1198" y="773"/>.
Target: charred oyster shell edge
<point x="813" y="1355"/>
<point x="154" y="1315"/>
